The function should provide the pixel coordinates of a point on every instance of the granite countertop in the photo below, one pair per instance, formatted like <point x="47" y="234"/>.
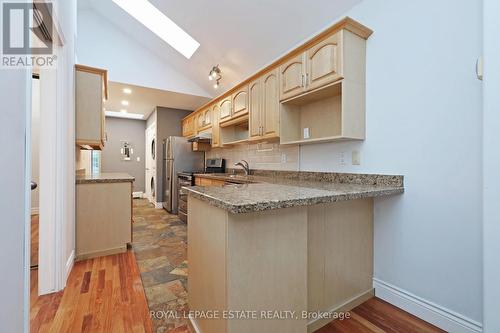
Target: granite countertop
<point x="288" y="189"/>
<point x="107" y="177"/>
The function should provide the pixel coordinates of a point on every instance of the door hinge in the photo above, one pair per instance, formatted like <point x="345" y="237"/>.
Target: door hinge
<point x="479" y="68"/>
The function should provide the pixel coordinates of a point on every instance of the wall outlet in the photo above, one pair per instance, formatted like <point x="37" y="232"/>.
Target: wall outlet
<point x="138" y="159"/>
<point x="283" y="158"/>
<point x="356" y="157"/>
<point x="306" y="133"/>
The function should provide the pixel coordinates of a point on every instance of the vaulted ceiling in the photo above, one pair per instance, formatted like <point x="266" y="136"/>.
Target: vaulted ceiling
<point x="241" y="36"/>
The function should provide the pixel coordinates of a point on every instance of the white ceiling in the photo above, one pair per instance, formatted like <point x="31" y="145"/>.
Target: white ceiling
<point x="143" y="100"/>
<point x="240" y="35"/>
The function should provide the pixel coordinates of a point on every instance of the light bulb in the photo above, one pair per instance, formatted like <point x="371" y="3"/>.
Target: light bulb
<point x="210" y="77"/>
<point x="124" y="103"/>
<point x="216" y="85"/>
<point x="214" y="74"/>
<point x="127" y="90"/>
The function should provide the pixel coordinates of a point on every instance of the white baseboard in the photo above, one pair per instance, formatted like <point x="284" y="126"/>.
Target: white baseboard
<point x="69" y="266"/>
<point x="194" y="324"/>
<point x="34" y="211"/>
<point x="435" y="314"/>
<point x="138" y="195"/>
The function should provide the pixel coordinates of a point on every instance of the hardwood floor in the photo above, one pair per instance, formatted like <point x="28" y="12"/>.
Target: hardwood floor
<point x="378" y="316"/>
<point x="34" y="241"/>
<point x="102" y="295"/>
<point x="106" y="294"/>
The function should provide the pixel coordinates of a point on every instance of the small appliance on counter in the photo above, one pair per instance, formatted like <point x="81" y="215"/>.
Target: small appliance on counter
<point x="215" y="165"/>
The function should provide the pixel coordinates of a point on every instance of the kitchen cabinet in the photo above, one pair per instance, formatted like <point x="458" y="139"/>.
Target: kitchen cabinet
<point x="91" y="89"/>
<point x="264" y="106"/>
<point x="255" y="106"/>
<point x="292" y="76"/>
<point x="207" y="116"/>
<point x="315" y="93"/>
<point x="316" y="67"/>
<point x="188" y="126"/>
<point x="215" y="126"/>
<point x="103" y="217"/>
<point x="225" y="109"/>
<point x="201" y="181"/>
<point x="324" y="62"/>
<point x="240" y="102"/>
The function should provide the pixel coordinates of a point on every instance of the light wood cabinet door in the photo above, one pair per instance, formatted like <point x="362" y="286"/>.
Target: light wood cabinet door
<point x="207" y="117"/>
<point x="90" y="90"/>
<point x="215" y="126"/>
<point x="255" y="107"/>
<point x="200" y="118"/>
<point x="292" y="77"/>
<point x="225" y="109"/>
<point x="188" y="126"/>
<point x="240" y="102"/>
<point x="270" y="113"/>
<point x="324" y="62"/>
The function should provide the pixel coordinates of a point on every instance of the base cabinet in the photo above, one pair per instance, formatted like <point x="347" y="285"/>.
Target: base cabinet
<point x="308" y="258"/>
<point x="103" y="219"/>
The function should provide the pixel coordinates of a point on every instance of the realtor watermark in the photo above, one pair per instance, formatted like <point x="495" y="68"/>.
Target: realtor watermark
<point x="250" y="315"/>
<point x="27" y="35"/>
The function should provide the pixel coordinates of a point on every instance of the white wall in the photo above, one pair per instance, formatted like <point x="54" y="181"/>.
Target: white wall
<point x="14" y="201"/>
<point x="491" y="190"/>
<point x="424" y="121"/>
<point x="101" y="44"/>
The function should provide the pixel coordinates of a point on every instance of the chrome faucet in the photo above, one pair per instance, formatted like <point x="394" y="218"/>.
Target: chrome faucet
<point x="244" y="165"/>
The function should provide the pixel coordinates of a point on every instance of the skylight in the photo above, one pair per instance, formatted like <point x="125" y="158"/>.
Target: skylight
<point x="153" y="19"/>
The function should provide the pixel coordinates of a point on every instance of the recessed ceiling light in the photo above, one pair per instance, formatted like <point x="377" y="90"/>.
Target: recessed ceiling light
<point x="124" y="102"/>
<point x="127" y="90"/>
<point x="124" y="115"/>
<point x="123" y="111"/>
<point x="153" y="19"/>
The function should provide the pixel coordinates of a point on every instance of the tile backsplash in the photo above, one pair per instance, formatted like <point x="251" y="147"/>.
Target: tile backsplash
<point x="260" y="156"/>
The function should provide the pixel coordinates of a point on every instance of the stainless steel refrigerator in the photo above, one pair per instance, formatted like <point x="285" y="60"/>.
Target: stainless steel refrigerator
<point x="178" y="156"/>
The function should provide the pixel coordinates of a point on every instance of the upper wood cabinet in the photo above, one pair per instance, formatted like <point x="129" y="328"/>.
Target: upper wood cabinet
<point x="188" y="126"/>
<point x="200" y="119"/>
<point x="207" y="117"/>
<point x="91" y="89"/>
<point x="292" y="75"/>
<point x="270" y="114"/>
<point x="264" y="106"/>
<point x="240" y="102"/>
<point x="324" y="62"/>
<point x="225" y="109"/>
<point x="315" y="93"/>
<point x="255" y="106"/>
<point x="319" y="65"/>
<point x="215" y="125"/>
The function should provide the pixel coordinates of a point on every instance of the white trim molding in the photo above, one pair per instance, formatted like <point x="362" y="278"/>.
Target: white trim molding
<point x="194" y="324"/>
<point x="138" y="195"/>
<point x="433" y="313"/>
<point x="69" y="265"/>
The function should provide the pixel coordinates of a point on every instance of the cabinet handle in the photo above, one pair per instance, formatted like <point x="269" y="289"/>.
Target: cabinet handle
<point x="307" y="79"/>
<point x="302" y="80"/>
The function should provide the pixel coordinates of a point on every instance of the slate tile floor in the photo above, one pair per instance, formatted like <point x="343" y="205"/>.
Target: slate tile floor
<point x="160" y="247"/>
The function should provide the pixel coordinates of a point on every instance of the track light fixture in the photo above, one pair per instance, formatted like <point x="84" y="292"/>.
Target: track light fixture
<point x="215" y="74"/>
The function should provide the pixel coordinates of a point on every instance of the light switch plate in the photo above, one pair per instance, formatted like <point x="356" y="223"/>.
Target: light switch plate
<point x="356" y="157"/>
<point x="138" y="159"/>
<point x="306" y="133"/>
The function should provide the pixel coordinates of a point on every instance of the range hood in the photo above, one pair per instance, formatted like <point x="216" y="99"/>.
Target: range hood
<point x="205" y="136"/>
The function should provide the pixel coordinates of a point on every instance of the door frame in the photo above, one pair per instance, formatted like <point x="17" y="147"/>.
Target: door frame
<point x="491" y="165"/>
